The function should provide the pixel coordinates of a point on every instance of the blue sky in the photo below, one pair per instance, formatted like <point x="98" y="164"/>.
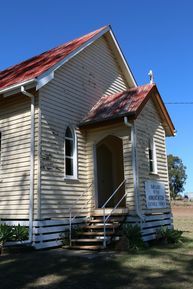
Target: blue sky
<point x="155" y="35"/>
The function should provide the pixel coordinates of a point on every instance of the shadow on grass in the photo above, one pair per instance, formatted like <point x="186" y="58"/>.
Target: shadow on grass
<point x="187" y="240"/>
<point x="160" y="268"/>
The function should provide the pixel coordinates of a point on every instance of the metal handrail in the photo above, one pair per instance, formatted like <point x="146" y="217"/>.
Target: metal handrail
<point x="115" y="207"/>
<point x="113" y="194"/>
<point x="78" y="199"/>
<point x="71" y="219"/>
<point x="105" y="219"/>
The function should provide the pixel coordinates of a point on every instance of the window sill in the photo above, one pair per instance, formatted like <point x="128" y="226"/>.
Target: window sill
<point x="71" y="179"/>
<point x="154" y="174"/>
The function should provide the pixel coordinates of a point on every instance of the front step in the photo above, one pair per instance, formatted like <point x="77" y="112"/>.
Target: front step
<point x="99" y="219"/>
<point x="91" y="236"/>
<point x="87" y="240"/>
<point x="101" y="226"/>
<point x="85" y="247"/>
<point x="95" y="233"/>
<point x="116" y="212"/>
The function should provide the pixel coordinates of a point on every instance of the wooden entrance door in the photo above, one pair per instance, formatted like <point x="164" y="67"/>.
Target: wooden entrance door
<point x="104" y="174"/>
<point x="110" y="170"/>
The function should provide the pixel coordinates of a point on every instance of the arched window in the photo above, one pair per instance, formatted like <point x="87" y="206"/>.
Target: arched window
<point x="152" y="157"/>
<point x="70" y="154"/>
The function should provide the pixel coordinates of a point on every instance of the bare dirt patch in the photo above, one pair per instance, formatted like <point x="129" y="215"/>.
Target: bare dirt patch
<point x="182" y="209"/>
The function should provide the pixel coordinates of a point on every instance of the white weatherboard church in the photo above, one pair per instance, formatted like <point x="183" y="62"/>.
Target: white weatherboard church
<point x="82" y="143"/>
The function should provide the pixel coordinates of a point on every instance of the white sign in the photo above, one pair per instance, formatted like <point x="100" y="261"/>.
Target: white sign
<point x="155" y="195"/>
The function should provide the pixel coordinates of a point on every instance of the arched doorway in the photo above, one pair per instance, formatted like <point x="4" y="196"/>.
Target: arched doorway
<point x="110" y="170"/>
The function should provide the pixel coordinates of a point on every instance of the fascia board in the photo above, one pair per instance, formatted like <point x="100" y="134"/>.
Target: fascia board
<point x="49" y="74"/>
<point x="129" y="75"/>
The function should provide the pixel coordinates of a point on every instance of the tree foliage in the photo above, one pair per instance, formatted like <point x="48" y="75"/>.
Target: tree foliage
<point x="177" y="175"/>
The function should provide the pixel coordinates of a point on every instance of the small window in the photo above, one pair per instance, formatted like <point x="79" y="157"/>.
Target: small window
<point x="70" y="153"/>
<point x="152" y="157"/>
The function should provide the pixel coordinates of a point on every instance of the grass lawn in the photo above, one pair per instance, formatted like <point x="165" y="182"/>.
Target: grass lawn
<point x="156" y="267"/>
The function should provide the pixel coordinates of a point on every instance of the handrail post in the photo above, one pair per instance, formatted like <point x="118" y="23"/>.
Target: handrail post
<point x="70" y="228"/>
<point x="105" y="219"/>
<point x="104" y="240"/>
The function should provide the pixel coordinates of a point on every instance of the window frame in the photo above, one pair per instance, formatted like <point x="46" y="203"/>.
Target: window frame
<point x="153" y="160"/>
<point x="74" y="159"/>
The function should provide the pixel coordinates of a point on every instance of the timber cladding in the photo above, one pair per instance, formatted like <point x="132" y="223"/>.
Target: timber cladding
<point x="149" y="126"/>
<point x="15" y="127"/>
<point x="64" y="101"/>
<point x="113" y="155"/>
<point x="77" y="86"/>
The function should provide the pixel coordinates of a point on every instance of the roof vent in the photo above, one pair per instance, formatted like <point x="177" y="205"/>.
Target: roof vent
<point x="151" y="76"/>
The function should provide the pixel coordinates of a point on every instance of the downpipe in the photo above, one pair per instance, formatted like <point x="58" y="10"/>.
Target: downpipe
<point x="32" y="148"/>
<point x="134" y="168"/>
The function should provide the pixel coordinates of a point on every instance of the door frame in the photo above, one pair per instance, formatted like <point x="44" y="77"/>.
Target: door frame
<point x="95" y="175"/>
<point x="95" y="169"/>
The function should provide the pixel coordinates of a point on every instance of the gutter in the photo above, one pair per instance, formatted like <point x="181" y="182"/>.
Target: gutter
<point x="32" y="147"/>
<point x="134" y="168"/>
<point x="11" y="89"/>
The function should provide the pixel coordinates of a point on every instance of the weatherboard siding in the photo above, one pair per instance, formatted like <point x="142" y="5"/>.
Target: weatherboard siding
<point x="149" y="126"/>
<point x="76" y="87"/>
<point x="15" y="127"/>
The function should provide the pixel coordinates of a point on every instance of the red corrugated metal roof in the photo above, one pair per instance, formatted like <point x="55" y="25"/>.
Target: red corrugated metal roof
<point x="37" y="65"/>
<point x="117" y="105"/>
<point x="128" y="103"/>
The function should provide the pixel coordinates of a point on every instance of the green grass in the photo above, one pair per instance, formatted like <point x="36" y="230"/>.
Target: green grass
<point x="157" y="267"/>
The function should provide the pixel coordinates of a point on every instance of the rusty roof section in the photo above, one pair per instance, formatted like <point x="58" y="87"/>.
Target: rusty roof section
<point x="39" y="64"/>
<point x="126" y="103"/>
<point x="118" y="104"/>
